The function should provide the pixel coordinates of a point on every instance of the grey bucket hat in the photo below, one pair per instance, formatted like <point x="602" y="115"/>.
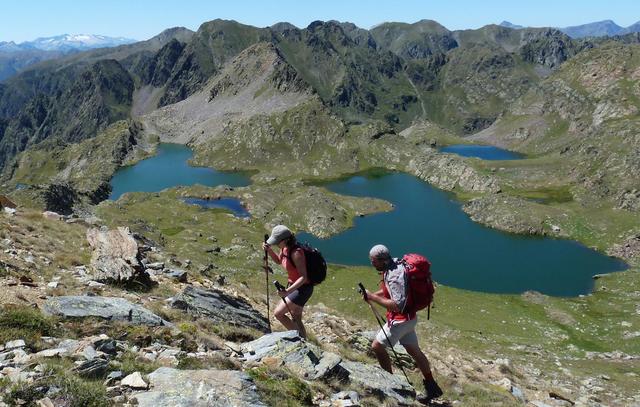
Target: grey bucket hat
<point x="278" y="234"/>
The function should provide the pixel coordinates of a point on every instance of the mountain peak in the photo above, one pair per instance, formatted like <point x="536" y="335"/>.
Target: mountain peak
<point x="595" y="29"/>
<point x="510" y="25"/>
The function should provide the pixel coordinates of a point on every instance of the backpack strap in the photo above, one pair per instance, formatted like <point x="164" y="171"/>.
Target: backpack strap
<point x="294" y="248"/>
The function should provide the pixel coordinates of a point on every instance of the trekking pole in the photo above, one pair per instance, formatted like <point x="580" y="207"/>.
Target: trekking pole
<point x="363" y="291"/>
<point x="267" y="269"/>
<point x="301" y="331"/>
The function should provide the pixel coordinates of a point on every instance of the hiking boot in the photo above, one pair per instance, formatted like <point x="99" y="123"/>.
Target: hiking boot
<point x="432" y="391"/>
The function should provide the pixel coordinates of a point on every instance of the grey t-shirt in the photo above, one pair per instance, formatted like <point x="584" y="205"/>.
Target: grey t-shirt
<point x="395" y="279"/>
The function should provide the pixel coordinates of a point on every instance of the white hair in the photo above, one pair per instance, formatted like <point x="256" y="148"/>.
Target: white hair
<point x="379" y="251"/>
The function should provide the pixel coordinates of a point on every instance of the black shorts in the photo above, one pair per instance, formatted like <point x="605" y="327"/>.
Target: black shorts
<point x="301" y="295"/>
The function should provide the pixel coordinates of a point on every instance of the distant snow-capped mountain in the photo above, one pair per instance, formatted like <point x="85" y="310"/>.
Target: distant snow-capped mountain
<point x="78" y="42"/>
<point x="15" y="57"/>
<point x="66" y="42"/>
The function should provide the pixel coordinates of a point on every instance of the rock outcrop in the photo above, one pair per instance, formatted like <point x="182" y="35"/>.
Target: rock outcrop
<point x="109" y="308"/>
<point x="497" y="211"/>
<point x="628" y="250"/>
<point x="310" y="362"/>
<point x="447" y="172"/>
<point x="220" y="307"/>
<point x="199" y="388"/>
<point x="116" y="256"/>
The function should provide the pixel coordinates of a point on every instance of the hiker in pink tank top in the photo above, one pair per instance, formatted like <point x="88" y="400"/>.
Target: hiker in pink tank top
<point x="299" y="290"/>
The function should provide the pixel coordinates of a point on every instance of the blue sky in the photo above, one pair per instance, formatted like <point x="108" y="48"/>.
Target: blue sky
<point x="141" y="19"/>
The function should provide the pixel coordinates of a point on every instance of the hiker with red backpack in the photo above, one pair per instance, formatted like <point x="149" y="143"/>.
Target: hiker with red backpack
<point x="305" y="268"/>
<point x="406" y="287"/>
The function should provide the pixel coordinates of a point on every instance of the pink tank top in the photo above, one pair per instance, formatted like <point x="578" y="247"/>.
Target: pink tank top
<point x="292" y="272"/>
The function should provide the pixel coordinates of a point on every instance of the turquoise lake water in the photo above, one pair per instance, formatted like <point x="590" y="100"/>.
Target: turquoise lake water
<point x="425" y="220"/>
<point x="169" y="168"/>
<point x="482" y="152"/>
<point x="463" y="253"/>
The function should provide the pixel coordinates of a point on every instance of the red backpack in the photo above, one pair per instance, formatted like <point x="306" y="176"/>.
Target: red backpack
<point x="421" y="288"/>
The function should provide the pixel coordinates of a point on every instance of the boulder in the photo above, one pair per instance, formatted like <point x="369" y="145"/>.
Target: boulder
<point x="15" y="344"/>
<point x="220" y="307"/>
<point x="93" y="368"/>
<point x="311" y="363"/>
<point x="302" y="358"/>
<point x="135" y="381"/>
<point x="111" y="308"/>
<point x="113" y="377"/>
<point x="156" y="266"/>
<point x="199" y="388"/>
<point x="345" y="399"/>
<point x="50" y="353"/>
<point x="177" y="275"/>
<point x="374" y="380"/>
<point x="628" y="250"/>
<point x="108" y="346"/>
<point x="116" y="257"/>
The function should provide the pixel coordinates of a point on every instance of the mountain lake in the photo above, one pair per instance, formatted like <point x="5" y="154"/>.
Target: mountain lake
<point x="424" y="220"/>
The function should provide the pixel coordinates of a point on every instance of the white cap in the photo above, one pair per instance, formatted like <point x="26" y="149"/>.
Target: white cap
<point x="379" y="251"/>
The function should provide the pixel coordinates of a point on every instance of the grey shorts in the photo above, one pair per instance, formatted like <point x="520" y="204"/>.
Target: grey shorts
<point x="404" y="332"/>
<point x="301" y="295"/>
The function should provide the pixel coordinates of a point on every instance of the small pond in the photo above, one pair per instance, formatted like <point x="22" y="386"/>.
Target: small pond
<point x="232" y="204"/>
<point x="482" y="152"/>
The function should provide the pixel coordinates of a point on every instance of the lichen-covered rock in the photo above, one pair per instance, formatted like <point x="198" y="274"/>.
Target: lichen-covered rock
<point x="221" y="307"/>
<point x="115" y="256"/>
<point x="374" y="380"/>
<point x="93" y="368"/>
<point x="110" y="308"/>
<point x="199" y="388"/>
<point x="300" y="357"/>
<point x="312" y="363"/>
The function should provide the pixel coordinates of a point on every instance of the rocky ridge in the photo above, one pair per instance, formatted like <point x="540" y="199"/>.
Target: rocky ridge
<point x="395" y="72"/>
<point x="257" y="81"/>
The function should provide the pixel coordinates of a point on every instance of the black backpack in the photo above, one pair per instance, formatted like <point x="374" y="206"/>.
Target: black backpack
<point x="316" y="265"/>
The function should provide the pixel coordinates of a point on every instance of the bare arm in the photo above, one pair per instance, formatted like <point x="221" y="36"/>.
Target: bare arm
<point x="277" y="258"/>
<point x="377" y="297"/>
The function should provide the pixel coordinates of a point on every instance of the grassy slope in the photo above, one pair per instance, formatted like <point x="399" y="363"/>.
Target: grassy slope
<point x="534" y="331"/>
<point x="577" y="166"/>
